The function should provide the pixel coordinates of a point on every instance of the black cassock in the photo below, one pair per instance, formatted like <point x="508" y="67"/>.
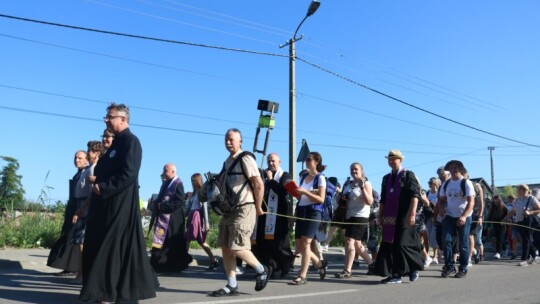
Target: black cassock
<point x="173" y="255"/>
<point x="276" y="252"/>
<point x="403" y="255"/>
<point x="63" y="255"/>
<point x="116" y="266"/>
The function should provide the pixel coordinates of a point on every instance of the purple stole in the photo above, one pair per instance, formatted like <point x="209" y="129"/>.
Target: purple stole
<point x="391" y="204"/>
<point x="162" y="224"/>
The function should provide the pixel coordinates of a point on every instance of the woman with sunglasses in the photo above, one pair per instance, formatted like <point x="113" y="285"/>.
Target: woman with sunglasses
<point x="310" y="214"/>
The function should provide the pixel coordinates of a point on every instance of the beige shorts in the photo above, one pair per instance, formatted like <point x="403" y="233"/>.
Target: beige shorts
<point x="235" y="228"/>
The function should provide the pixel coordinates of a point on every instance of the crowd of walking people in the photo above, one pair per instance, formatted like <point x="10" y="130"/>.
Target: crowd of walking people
<point x="397" y="233"/>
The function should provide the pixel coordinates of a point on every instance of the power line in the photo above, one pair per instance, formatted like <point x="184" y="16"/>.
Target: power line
<point x="411" y="105"/>
<point x="177" y="21"/>
<point x="246" y="123"/>
<point x="277" y="55"/>
<point x="143" y="37"/>
<point x="206" y="133"/>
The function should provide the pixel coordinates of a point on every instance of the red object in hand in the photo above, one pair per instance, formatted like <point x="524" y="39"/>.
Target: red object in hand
<point x="292" y="188"/>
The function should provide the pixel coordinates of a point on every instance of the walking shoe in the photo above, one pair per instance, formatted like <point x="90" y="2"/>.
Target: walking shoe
<point x="225" y="291"/>
<point x="428" y="261"/>
<point x="370" y="269"/>
<point x="537" y="260"/>
<point x="460" y="275"/>
<point x="324" y="248"/>
<point x="239" y="270"/>
<point x="497" y="256"/>
<point x="523" y="263"/>
<point x="513" y="257"/>
<point x="391" y="280"/>
<point x="478" y="258"/>
<point x="448" y="272"/>
<point x="470" y="263"/>
<point x="435" y="260"/>
<point x="215" y="264"/>
<point x="262" y="278"/>
<point x="413" y="276"/>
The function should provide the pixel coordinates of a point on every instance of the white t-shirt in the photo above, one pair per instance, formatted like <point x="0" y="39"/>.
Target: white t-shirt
<point x="456" y="200"/>
<point x="304" y="200"/>
<point x="237" y="180"/>
<point x="432" y="197"/>
<point x="356" y="206"/>
<point x="520" y="204"/>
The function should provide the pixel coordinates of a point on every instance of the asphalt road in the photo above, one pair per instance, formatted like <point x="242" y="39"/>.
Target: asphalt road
<point x="24" y="278"/>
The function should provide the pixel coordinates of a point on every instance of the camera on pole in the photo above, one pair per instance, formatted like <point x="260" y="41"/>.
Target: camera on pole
<point x="266" y="120"/>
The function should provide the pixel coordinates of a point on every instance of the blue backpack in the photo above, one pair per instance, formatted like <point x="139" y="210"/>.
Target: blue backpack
<point x="326" y="206"/>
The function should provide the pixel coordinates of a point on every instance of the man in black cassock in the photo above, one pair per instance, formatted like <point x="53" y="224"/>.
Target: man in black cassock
<point x="399" y="253"/>
<point x="169" y="246"/>
<point x="116" y="266"/>
<point x="272" y="234"/>
<point x="63" y="255"/>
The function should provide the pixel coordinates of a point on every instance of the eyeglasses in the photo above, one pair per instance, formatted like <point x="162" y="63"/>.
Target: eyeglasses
<point x="111" y="117"/>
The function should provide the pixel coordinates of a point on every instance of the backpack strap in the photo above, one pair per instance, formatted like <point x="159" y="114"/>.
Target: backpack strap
<point x="445" y="186"/>
<point x="462" y="186"/>
<point x="233" y="165"/>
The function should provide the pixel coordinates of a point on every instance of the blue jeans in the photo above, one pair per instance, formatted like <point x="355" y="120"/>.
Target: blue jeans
<point x="450" y="229"/>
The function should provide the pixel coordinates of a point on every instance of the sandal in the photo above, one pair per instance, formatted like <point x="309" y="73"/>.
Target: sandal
<point x="226" y="291"/>
<point x="322" y="269"/>
<point x="215" y="264"/>
<point x="343" y="275"/>
<point x="298" y="281"/>
<point x="262" y="278"/>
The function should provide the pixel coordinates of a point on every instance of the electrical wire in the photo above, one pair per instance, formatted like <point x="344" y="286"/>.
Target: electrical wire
<point x="413" y="106"/>
<point x="278" y="55"/>
<point x="142" y="37"/>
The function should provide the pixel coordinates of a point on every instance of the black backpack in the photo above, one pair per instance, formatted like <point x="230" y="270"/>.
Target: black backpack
<point x="219" y="192"/>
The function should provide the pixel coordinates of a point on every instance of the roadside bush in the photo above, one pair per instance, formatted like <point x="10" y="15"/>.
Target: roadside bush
<point x="30" y="230"/>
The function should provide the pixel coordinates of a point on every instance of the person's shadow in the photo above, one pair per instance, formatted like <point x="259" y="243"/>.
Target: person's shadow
<point x="30" y="286"/>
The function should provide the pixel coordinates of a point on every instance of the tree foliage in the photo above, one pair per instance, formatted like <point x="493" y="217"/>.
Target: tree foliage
<point x="11" y="189"/>
<point x="507" y="190"/>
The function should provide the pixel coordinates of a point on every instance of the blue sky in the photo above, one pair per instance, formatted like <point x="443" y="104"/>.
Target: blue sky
<point x="475" y="62"/>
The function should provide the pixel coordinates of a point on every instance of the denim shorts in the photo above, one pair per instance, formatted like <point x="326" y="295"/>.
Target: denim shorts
<point x="309" y="226"/>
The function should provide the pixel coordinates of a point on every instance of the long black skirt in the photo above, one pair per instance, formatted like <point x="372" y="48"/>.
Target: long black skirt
<point x="401" y="257"/>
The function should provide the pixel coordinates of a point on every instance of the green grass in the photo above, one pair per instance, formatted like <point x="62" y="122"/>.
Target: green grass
<point x="30" y="230"/>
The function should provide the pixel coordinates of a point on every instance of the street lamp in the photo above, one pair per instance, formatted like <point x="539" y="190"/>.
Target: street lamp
<point x="314" y="5"/>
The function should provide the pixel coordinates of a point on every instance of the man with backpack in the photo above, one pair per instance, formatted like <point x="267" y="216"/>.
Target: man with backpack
<point x="237" y="225"/>
<point x="457" y="199"/>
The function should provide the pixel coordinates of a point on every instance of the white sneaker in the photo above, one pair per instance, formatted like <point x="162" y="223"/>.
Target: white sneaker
<point x="470" y="263"/>
<point x="497" y="256"/>
<point x="435" y="260"/>
<point x="537" y="260"/>
<point x="523" y="263"/>
<point x="324" y="248"/>
<point x="239" y="270"/>
<point x="428" y="261"/>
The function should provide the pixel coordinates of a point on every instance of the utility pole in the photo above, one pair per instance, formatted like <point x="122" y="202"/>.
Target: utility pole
<point x="292" y="89"/>
<point x="492" y="175"/>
